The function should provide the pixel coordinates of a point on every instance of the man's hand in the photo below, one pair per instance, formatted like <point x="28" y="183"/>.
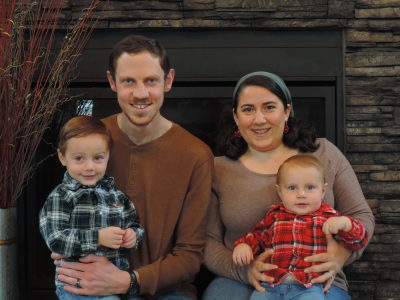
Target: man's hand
<point x="111" y="237"/>
<point x="97" y="277"/>
<point x="57" y="258"/>
<point x="129" y="238"/>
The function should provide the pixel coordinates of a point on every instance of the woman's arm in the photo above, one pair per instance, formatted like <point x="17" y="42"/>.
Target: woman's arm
<point x="217" y="257"/>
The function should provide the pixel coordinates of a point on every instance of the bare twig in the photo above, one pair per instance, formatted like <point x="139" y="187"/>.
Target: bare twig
<point x="33" y="82"/>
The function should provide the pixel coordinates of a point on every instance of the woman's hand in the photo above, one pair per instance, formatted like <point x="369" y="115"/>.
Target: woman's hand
<point x="331" y="262"/>
<point x="255" y="271"/>
<point x="94" y="275"/>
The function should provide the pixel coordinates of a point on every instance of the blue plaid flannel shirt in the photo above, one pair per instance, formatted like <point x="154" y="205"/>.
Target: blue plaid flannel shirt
<point x="73" y="214"/>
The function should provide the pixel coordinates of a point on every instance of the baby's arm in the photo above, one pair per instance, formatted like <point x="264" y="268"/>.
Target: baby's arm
<point x="111" y="237"/>
<point x="334" y="224"/>
<point x="242" y="254"/>
<point x="349" y="232"/>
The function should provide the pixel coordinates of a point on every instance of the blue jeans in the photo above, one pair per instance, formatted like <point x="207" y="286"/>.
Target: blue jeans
<point x="64" y="295"/>
<point x="337" y="293"/>
<point x="289" y="291"/>
<point x="222" y="288"/>
<point x="171" y="295"/>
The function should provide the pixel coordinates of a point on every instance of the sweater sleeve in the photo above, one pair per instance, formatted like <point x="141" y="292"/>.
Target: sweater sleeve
<point x="183" y="262"/>
<point x="349" y="198"/>
<point x="218" y="257"/>
<point x="55" y="228"/>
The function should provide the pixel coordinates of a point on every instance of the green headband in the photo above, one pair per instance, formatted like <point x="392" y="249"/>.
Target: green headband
<point x="274" y="78"/>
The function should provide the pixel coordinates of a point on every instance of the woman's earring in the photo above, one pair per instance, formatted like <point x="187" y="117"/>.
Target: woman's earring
<point x="237" y="133"/>
<point x="286" y="128"/>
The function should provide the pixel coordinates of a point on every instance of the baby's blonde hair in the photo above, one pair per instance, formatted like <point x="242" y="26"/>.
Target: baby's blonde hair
<point x="300" y="160"/>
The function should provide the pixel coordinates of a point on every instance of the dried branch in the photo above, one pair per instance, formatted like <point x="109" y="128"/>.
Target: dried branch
<point x="33" y="81"/>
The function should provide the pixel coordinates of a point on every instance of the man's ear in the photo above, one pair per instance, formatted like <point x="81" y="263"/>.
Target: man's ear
<point x="111" y="81"/>
<point x="61" y="158"/>
<point x="169" y="80"/>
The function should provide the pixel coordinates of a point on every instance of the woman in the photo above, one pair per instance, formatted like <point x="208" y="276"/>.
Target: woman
<point x="244" y="188"/>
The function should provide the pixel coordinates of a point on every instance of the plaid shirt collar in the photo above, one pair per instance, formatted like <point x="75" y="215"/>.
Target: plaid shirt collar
<point x="107" y="183"/>
<point x="324" y="209"/>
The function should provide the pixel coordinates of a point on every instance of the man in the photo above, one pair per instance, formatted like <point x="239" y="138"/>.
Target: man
<point x="167" y="174"/>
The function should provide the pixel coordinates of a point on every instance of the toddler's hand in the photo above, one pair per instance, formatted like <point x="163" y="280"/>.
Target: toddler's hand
<point x="242" y="255"/>
<point x="111" y="237"/>
<point x="129" y="238"/>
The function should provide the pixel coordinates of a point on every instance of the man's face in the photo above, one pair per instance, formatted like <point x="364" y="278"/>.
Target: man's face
<point x="140" y="85"/>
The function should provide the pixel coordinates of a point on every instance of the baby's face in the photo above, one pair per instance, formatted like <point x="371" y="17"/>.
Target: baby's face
<point x="301" y="189"/>
<point x="86" y="158"/>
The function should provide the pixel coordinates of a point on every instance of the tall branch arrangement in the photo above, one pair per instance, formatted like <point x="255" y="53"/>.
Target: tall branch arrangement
<point x="33" y="81"/>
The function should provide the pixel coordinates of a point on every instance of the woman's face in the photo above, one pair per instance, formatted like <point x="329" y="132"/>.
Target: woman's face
<point x="261" y="117"/>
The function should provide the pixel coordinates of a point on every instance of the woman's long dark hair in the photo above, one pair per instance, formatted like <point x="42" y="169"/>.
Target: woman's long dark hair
<point x="301" y="135"/>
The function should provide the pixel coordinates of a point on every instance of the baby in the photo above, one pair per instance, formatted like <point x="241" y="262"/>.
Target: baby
<point x="296" y="229"/>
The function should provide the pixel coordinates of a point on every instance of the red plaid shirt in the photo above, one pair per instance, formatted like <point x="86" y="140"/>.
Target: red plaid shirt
<point x="294" y="237"/>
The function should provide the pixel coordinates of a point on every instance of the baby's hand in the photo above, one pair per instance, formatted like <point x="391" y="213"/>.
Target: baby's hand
<point x="111" y="237"/>
<point x="242" y="255"/>
<point x="129" y="239"/>
<point x="334" y="224"/>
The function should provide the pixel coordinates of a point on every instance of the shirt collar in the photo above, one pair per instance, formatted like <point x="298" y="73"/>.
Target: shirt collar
<point x="107" y="182"/>
<point x="324" y="208"/>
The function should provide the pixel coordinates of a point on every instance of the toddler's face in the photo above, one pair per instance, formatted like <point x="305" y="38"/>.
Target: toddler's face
<point x="301" y="189"/>
<point x="86" y="158"/>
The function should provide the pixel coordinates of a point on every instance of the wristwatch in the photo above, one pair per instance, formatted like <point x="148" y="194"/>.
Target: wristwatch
<point x="133" y="287"/>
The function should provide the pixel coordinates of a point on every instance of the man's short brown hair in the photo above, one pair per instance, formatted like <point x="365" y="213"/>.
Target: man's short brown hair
<point x="134" y="44"/>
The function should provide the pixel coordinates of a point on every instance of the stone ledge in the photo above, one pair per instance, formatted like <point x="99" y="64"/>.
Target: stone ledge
<point x="378" y="59"/>
<point x="373" y="71"/>
<point x="353" y="35"/>
<point x="386" y="12"/>
<point x="373" y="147"/>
